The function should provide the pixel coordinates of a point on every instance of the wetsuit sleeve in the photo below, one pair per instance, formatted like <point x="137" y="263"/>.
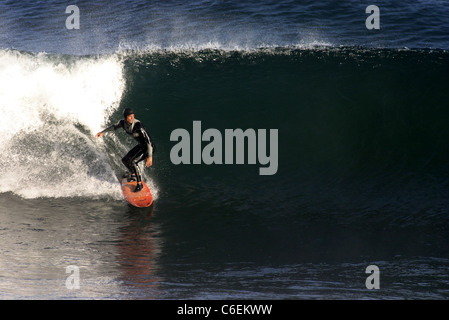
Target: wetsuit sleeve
<point x="146" y="140"/>
<point x="114" y="126"/>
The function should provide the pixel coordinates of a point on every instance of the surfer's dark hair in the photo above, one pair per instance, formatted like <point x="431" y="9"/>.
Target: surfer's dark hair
<point x="127" y="112"/>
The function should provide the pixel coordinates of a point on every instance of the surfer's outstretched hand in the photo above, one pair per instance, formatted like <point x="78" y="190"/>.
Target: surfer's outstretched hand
<point x="149" y="161"/>
<point x="98" y="135"/>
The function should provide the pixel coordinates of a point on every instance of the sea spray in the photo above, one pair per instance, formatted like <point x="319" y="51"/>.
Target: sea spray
<point x="50" y="107"/>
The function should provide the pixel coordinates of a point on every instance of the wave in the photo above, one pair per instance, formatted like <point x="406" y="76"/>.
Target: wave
<point x="359" y="128"/>
<point x="51" y="105"/>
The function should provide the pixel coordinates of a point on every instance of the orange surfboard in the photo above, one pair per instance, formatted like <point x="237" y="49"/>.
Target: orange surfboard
<point x="141" y="199"/>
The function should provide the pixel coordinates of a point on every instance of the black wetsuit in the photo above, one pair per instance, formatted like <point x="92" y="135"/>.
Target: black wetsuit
<point x="140" y="152"/>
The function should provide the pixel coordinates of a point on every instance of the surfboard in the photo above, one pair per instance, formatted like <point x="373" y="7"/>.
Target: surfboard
<point x="140" y="199"/>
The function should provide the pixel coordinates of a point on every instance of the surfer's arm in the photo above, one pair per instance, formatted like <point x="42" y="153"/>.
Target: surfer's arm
<point x="148" y="145"/>
<point x="110" y="128"/>
<point x="149" y="160"/>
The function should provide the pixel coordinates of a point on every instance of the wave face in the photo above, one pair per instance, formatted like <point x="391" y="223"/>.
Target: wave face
<point x="360" y="130"/>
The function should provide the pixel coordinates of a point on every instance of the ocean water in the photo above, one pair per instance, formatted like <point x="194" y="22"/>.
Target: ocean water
<point x="361" y="154"/>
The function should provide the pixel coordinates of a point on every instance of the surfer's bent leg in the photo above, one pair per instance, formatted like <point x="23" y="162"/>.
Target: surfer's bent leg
<point x="128" y="158"/>
<point x="132" y="158"/>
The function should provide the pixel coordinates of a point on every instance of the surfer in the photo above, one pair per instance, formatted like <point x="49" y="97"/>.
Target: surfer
<point x="143" y="151"/>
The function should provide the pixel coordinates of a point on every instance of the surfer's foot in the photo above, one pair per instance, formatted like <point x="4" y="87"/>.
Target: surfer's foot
<point x="138" y="187"/>
<point x="130" y="177"/>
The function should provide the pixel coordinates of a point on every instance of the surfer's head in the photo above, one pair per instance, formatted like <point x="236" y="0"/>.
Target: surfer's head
<point x="128" y="115"/>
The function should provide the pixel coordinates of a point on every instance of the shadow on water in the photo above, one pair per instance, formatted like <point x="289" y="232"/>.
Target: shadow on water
<point x="139" y="247"/>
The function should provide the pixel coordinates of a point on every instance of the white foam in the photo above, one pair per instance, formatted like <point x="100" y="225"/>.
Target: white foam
<point x="50" y="109"/>
<point x="308" y="42"/>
